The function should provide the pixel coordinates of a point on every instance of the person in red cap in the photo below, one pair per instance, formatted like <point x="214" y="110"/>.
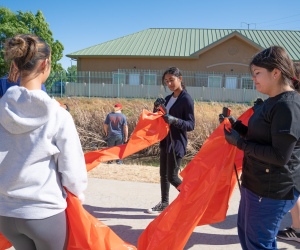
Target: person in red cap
<point x="116" y="128"/>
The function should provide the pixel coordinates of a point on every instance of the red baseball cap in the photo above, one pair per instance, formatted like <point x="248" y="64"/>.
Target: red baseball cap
<point x="118" y="106"/>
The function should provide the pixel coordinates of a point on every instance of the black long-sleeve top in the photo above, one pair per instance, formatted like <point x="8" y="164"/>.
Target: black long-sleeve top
<point x="183" y="109"/>
<point x="271" y="164"/>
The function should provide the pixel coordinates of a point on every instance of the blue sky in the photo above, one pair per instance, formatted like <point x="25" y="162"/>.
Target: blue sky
<point x="81" y="24"/>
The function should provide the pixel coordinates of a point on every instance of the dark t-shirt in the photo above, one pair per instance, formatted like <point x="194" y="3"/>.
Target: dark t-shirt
<point x="115" y="122"/>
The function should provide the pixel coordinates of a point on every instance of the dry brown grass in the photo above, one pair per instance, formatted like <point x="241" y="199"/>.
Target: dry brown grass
<point x="89" y="115"/>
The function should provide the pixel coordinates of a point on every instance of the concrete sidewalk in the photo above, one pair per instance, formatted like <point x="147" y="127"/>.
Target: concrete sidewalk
<point x="121" y="205"/>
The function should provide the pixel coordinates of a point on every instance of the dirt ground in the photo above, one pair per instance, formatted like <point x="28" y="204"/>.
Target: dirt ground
<point x="135" y="173"/>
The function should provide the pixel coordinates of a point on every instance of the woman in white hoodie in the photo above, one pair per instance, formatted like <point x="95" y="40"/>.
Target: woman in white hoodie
<point x="40" y="152"/>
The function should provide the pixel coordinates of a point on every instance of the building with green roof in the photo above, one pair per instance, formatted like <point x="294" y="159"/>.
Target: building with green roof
<point x="204" y="50"/>
<point x="217" y="58"/>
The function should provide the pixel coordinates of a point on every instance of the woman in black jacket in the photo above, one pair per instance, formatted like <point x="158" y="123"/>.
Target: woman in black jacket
<point x="271" y="145"/>
<point x="180" y="116"/>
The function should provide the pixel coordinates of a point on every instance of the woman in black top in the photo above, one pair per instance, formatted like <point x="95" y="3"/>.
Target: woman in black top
<point x="293" y="232"/>
<point x="180" y="108"/>
<point x="271" y="145"/>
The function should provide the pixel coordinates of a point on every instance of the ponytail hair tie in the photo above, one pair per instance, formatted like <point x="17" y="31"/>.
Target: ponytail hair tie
<point x="296" y="84"/>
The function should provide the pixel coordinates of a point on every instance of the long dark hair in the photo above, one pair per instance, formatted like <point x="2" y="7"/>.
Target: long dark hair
<point x="276" y="57"/>
<point x="172" y="71"/>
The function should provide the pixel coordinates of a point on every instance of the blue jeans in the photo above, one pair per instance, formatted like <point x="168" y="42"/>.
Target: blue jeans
<point x="259" y="219"/>
<point x="115" y="141"/>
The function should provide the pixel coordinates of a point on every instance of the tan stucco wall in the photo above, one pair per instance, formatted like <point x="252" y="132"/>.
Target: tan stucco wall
<point x="232" y="55"/>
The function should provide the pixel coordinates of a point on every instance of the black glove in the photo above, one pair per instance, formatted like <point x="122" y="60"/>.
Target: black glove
<point x="221" y="118"/>
<point x="230" y="118"/>
<point x="232" y="137"/>
<point x="257" y="103"/>
<point x="158" y="103"/>
<point x="170" y="119"/>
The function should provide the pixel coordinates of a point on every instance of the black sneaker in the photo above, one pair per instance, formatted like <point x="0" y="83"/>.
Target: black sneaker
<point x="157" y="209"/>
<point x="288" y="234"/>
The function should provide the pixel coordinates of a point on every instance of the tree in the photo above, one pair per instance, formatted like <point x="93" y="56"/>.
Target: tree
<point x="27" y="23"/>
<point x="72" y="73"/>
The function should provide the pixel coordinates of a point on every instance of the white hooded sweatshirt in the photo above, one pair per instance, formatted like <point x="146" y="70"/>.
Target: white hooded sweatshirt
<point x="40" y="153"/>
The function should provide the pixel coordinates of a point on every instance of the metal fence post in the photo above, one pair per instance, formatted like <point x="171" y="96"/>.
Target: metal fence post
<point x="61" y="92"/>
<point x="89" y="84"/>
<point x="118" y="83"/>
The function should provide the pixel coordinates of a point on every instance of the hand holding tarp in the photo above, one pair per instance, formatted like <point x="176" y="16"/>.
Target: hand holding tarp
<point x="226" y="114"/>
<point x="170" y="119"/>
<point x="232" y="136"/>
<point x="158" y="103"/>
<point x="230" y="118"/>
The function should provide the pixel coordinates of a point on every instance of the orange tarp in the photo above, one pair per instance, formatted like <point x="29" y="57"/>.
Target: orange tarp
<point x="87" y="232"/>
<point x="151" y="128"/>
<point x="4" y="243"/>
<point x="208" y="182"/>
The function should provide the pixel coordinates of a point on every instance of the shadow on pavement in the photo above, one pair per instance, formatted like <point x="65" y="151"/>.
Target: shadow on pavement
<point x="198" y="239"/>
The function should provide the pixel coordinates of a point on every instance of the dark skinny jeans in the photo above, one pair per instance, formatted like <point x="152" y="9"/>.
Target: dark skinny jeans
<point x="168" y="173"/>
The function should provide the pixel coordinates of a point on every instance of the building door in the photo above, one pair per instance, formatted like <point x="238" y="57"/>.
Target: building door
<point x="134" y="79"/>
<point x="231" y="82"/>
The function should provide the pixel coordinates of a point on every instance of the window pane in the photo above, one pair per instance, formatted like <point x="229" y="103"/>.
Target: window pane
<point x="150" y="79"/>
<point x="119" y="78"/>
<point x="231" y="83"/>
<point x="134" y="79"/>
<point x="247" y="83"/>
<point x="201" y="80"/>
<point x="214" y="81"/>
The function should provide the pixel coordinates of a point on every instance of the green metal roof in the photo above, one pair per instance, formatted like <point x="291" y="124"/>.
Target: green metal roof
<point x="188" y="43"/>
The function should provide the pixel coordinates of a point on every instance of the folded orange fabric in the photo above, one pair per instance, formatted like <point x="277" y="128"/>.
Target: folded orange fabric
<point x="150" y="129"/>
<point x="87" y="232"/>
<point x="208" y="182"/>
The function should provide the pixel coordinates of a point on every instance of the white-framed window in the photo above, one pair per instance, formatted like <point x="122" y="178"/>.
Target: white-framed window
<point x="230" y="82"/>
<point x="119" y="78"/>
<point x="201" y="80"/>
<point x="134" y="79"/>
<point x="150" y="79"/>
<point x="215" y="81"/>
<point x="247" y="83"/>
